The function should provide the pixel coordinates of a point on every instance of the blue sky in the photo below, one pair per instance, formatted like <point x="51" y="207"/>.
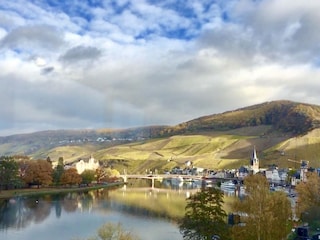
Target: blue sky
<point x="116" y="64"/>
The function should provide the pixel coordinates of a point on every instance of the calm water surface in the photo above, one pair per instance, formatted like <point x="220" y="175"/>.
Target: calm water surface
<point x="145" y="212"/>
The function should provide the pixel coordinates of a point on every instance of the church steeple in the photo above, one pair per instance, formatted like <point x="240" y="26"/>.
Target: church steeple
<point x="254" y="161"/>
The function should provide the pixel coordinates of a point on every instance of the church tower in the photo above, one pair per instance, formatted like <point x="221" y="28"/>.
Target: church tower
<point x="254" y="161"/>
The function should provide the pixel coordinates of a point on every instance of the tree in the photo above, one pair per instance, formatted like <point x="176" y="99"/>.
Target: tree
<point x="70" y="177"/>
<point x="265" y="214"/>
<point x="9" y="173"/>
<point x="308" y="204"/>
<point x="111" y="231"/>
<point x="88" y="176"/>
<point x="204" y="216"/>
<point x="105" y="174"/>
<point x="38" y="172"/>
<point x="58" y="171"/>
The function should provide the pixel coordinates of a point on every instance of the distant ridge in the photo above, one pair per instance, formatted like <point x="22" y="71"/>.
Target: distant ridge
<point x="286" y="116"/>
<point x="283" y="116"/>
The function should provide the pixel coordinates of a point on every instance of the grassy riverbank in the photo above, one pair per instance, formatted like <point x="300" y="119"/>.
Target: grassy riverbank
<point x="4" y="194"/>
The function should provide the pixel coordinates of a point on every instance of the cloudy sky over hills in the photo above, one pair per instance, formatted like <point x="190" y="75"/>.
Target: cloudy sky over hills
<point x="102" y="64"/>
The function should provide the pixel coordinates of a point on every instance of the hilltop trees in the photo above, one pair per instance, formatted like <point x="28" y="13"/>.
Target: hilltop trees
<point x="265" y="214"/>
<point x="205" y="217"/>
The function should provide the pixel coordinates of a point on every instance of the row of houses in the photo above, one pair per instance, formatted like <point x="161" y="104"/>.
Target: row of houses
<point x="275" y="175"/>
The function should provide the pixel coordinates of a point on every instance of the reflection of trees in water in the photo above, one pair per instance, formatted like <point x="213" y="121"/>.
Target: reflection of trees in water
<point x="148" y="202"/>
<point x="39" y="208"/>
<point x="14" y="213"/>
<point x="70" y="202"/>
<point x="21" y="211"/>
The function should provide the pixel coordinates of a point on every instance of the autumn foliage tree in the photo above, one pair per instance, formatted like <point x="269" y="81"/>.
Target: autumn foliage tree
<point x="106" y="174"/>
<point x="38" y="172"/>
<point x="264" y="214"/>
<point x="70" y="177"/>
<point x="308" y="204"/>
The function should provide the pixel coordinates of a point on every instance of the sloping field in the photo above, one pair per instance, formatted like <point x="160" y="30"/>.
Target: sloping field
<point x="69" y="153"/>
<point x="306" y="147"/>
<point x="203" y="150"/>
<point x="214" y="150"/>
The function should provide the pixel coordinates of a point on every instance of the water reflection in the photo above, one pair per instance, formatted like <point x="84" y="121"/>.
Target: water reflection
<point x="79" y="215"/>
<point x="20" y="212"/>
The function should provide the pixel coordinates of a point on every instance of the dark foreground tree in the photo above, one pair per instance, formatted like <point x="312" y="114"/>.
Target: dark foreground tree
<point x="58" y="171"/>
<point x="9" y="173"/>
<point x="204" y="217"/>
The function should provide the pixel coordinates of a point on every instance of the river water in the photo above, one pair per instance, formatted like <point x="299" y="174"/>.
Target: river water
<point x="147" y="213"/>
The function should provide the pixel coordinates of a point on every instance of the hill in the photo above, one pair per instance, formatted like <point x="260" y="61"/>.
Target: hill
<point x="285" y="116"/>
<point x="279" y="130"/>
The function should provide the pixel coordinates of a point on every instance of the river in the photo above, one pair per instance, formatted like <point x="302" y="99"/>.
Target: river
<point x="147" y="213"/>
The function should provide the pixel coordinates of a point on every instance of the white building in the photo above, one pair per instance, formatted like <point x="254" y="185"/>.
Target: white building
<point x="90" y="164"/>
<point x="273" y="175"/>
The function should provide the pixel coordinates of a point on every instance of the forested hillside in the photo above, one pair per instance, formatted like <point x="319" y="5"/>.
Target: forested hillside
<point x="285" y="116"/>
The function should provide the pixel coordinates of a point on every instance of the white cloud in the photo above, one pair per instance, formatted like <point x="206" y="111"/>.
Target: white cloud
<point x="39" y="61"/>
<point x="141" y="63"/>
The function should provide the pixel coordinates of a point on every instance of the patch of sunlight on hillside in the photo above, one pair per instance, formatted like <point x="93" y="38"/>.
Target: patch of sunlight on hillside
<point x="150" y="145"/>
<point x="211" y="163"/>
<point x="179" y="141"/>
<point x="70" y="153"/>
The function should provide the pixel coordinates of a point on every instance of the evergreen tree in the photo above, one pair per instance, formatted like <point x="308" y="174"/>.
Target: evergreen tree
<point x="58" y="171"/>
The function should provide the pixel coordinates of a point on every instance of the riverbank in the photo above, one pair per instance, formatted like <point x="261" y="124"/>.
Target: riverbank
<point x="6" y="194"/>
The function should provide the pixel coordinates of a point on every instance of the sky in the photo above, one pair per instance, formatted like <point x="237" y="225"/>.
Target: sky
<point x="90" y="64"/>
